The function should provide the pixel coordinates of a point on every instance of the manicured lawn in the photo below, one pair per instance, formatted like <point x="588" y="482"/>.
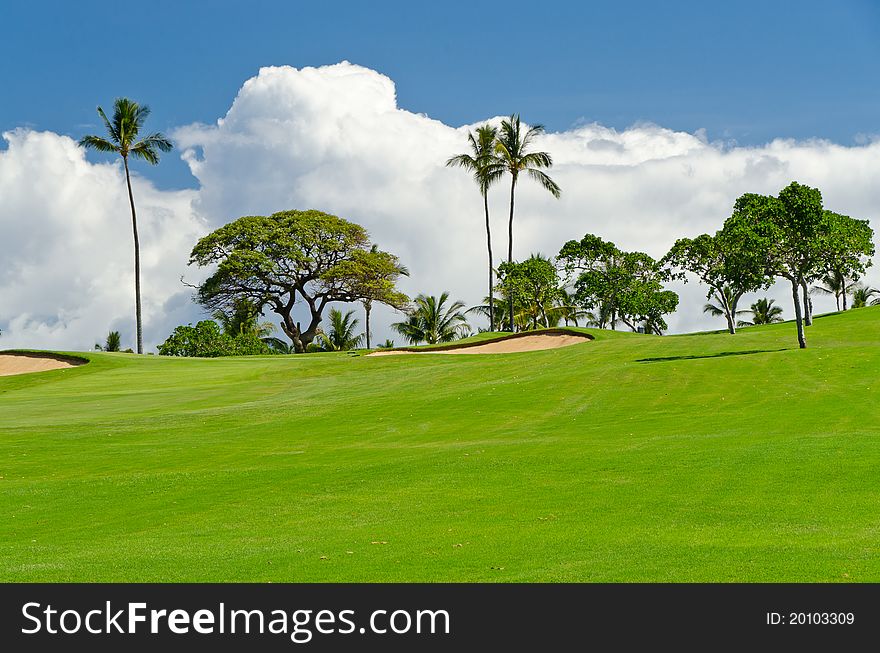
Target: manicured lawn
<point x="629" y="458"/>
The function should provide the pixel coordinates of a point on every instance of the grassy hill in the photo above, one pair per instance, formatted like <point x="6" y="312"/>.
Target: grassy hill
<point x="705" y="457"/>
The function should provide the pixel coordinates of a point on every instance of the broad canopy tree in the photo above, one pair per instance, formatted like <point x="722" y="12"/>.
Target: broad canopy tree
<point x="793" y="237"/>
<point x="715" y="262"/>
<point x="295" y="258"/>
<point x="628" y="286"/>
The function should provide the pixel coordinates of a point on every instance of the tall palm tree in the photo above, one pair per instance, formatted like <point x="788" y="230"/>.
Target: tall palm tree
<point x="763" y="312"/>
<point x="512" y="156"/>
<point x="862" y="296"/>
<point x="123" y="130"/>
<point x="341" y="336"/>
<point x="432" y="321"/>
<point x="479" y="161"/>
<point x="834" y="283"/>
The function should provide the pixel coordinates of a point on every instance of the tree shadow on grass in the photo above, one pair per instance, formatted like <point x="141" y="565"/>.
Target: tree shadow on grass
<point x="666" y="359"/>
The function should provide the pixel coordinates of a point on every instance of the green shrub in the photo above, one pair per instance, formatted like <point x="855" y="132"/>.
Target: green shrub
<point x="207" y="340"/>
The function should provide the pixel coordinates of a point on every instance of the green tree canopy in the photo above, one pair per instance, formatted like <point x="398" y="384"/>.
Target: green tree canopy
<point x="308" y="258"/>
<point x="533" y="285"/>
<point x="207" y="340"/>
<point x="618" y="285"/>
<point x="714" y="260"/>
<point x="793" y="237"/>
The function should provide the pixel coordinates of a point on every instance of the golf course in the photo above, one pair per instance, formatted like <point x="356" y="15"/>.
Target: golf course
<point x="626" y="457"/>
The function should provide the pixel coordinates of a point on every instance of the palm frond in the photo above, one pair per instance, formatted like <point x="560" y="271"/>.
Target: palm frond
<point x="110" y="128"/>
<point x="97" y="143"/>
<point x="549" y="185"/>
<point x="536" y="160"/>
<point x="157" y="140"/>
<point x="465" y="161"/>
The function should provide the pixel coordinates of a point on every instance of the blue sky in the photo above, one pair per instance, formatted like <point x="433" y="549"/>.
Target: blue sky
<point x="748" y="71"/>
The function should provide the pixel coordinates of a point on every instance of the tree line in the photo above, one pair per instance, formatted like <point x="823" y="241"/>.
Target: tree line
<point x="314" y="259"/>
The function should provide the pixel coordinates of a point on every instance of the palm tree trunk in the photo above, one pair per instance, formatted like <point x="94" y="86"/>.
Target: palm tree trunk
<point x="489" y="245"/>
<point x="844" y="294"/>
<point x="137" y="262"/>
<point x="808" y="305"/>
<point x="510" y="247"/>
<point x="837" y="300"/>
<point x="802" y="341"/>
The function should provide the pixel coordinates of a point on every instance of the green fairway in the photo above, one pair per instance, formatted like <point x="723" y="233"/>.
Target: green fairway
<point x="704" y="457"/>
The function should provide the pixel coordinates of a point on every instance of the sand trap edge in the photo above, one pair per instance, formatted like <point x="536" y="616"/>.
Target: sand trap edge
<point x="482" y="343"/>
<point x="68" y="360"/>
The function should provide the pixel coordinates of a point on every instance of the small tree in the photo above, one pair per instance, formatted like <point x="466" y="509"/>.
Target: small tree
<point x="862" y="296"/>
<point x="714" y="261"/>
<point x="295" y="257"/>
<point x="341" y="336"/>
<point x="618" y="286"/>
<point x="834" y="284"/>
<point x="533" y="285"/>
<point x="113" y="341"/>
<point x="432" y="321"/>
<point x="726" y="300"/>
<point x="763" y="312"/>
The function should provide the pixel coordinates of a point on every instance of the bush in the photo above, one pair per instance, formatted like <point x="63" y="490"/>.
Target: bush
<point x="206" y="340"/>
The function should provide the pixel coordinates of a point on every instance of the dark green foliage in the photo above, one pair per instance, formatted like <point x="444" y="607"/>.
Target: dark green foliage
<point x="618" y="285"/>
<point x="242" y="318"/>
<point x="207" y="340"/>
<point x="863" y="296"/>
<point x="533" y="285"/>
<point x="792" y="236"/>
<point x="113" y="341"/>
<point x="716" y="261"/>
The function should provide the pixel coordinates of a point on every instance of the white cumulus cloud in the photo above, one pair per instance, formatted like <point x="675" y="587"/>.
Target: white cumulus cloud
<point x="66" y="253"/>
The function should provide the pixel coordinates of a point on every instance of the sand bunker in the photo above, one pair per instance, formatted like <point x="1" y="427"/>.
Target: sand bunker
<point x="24" y="363"/>
<point x="508" y="345"/>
